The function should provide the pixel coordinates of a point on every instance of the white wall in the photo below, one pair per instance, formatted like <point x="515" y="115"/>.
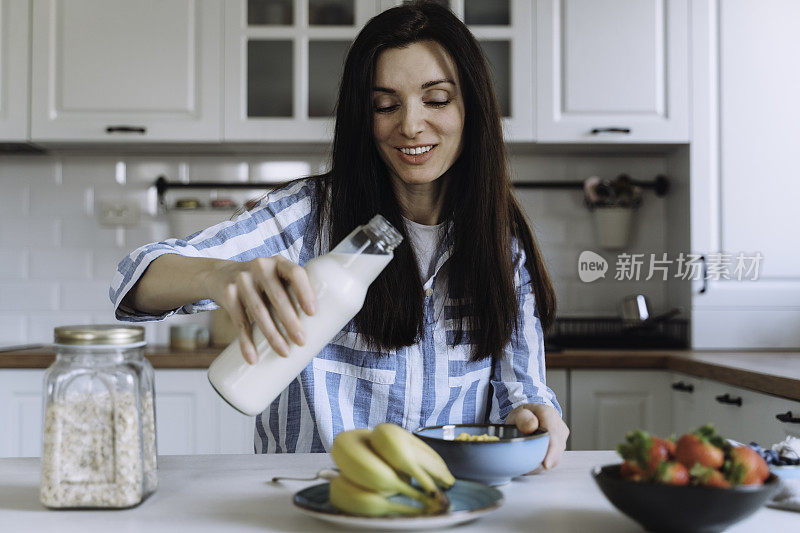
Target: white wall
<point x="56" y="260"/>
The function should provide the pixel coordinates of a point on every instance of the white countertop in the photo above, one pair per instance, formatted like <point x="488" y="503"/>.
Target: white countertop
<point x="232" y="493"/>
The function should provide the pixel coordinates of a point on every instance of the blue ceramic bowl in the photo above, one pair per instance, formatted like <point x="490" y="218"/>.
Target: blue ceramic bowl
<point x="490" y="462"/>
<point x="786" y="472"/>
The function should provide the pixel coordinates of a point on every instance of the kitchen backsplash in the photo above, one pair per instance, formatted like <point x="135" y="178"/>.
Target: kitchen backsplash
<point x="56" y="259"/>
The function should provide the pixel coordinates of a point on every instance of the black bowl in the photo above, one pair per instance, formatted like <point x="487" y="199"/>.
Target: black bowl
<point x="689" y="509"/>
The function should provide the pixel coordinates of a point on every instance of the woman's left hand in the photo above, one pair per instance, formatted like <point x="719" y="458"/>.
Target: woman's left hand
<point x="531" y="416"/>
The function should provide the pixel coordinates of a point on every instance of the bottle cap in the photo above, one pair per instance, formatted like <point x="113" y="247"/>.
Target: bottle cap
<point x="388" y="236"/>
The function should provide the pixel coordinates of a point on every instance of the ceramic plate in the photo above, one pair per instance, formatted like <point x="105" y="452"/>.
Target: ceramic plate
<point x="468" y="501"/>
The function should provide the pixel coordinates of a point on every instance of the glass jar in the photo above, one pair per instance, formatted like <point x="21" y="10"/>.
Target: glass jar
<point x="99" y="442"/>
<point x="147" y="395"/>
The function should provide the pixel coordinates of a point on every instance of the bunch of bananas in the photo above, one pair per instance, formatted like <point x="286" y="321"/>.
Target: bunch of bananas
<point x="377" y="464"/>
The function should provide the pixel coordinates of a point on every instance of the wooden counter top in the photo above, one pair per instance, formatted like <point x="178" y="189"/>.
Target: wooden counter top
<point x="159" y="356"/>
<point x="772" y="372"/>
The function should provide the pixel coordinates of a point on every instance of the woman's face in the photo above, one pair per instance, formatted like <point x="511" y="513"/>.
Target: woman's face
<point x="418" y="111"/>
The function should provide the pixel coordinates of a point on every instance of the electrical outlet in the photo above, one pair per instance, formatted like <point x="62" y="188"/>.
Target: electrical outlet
<point x="119" y="212"/>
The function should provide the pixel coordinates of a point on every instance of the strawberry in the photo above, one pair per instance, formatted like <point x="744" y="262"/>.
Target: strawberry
<point x="746" y="467"/>
<point x="670" y="444"/>
<point x="644" y="451"/>
<point x="709" y="477"/>
<point x="630" y="471"/>
<point x="702" y="446"/>
<point x="672" y="473"/>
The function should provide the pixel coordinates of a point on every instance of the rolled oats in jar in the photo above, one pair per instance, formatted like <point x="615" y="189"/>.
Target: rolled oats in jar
<point x="99" y="421"/>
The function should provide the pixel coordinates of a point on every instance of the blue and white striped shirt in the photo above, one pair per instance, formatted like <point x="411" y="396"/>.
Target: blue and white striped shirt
<point x="346" y="385"/>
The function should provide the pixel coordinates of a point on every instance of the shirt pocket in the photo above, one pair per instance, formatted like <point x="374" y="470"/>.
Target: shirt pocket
<point x="348" y="354"/>
<point x="461" y="371"/>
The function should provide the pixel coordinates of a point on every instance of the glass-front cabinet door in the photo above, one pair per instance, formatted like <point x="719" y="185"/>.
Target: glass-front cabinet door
<point x="504" y="30"/>
<point x="283" y="62"/>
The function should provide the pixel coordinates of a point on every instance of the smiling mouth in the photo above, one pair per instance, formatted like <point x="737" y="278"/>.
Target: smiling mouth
<point x="417" y="155"/>
<point x="419" y="150"/>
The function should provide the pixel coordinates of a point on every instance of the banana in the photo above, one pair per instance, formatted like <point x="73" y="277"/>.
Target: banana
<point x="357" y="462"/>
<point x="350" y="498"/>
<point x="433" y="463"/>
<point x="399" y="448"/>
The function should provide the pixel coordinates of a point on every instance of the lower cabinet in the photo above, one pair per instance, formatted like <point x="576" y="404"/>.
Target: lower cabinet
<point x="740" y="414"/>
<point x="21" y="413"/>
<point x="599" y="406"/>
<point x="558" y="381"/>
<point x="606" y="404"/>
<point x="190" y="417"/>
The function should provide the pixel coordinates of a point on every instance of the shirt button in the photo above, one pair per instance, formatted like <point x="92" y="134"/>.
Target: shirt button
<point x="428" y="292"/>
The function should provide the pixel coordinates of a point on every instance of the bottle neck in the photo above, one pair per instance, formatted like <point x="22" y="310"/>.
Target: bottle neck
<point x="377" y="237"/>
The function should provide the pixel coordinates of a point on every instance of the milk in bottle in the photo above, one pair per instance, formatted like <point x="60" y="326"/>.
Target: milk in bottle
<point x="339" y="280"/>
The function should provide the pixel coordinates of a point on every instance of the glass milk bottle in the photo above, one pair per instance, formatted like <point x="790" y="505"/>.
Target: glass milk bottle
<point x="340" y="280"/>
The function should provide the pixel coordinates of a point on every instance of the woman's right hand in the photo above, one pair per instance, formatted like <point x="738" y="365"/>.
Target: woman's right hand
<point x="248" y="289"/>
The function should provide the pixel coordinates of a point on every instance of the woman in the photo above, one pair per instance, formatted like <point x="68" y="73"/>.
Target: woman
<point x="451" y="331"/>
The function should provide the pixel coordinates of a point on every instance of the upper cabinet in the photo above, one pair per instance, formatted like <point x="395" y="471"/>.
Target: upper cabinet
<point x="593" y="71"/>
<point x="612" y="71"/>
<point x="14" y="61"/>
<point x="116" y="70"/>
<point x="283" y="63"/>
<point x="744" y="191"/>
<point x="504" y="30"/>
<point x="284" y="60"/>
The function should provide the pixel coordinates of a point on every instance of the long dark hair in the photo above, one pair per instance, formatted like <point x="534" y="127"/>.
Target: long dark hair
<point x="482" y="207"/>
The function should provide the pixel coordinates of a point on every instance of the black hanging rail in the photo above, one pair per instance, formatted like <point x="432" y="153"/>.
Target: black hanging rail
<point x="660" y="185"/>
<point x="163" y="184"/>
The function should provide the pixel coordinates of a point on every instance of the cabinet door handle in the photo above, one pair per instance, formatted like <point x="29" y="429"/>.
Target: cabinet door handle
<point x="787" y="417"/>
<point x="704" y="288"/>
<point x="613" y="129"/>
<point x="726" y="398"/>
<point x="126" y="129"/>
<point x="683" y="387"/>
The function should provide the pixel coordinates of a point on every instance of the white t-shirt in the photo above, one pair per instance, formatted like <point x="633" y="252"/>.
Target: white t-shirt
<point x="424" y="241"/>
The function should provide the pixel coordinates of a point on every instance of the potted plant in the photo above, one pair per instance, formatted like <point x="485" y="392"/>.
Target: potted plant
<point x="612" y="203"/>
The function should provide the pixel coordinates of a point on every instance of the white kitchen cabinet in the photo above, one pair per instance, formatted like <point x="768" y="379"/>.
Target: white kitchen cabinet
<point x="185" y="413"/>
<point x="781" y="417"/>
<point x="612" y="71"/>
<point x="558" y="381"/>
<point x="606" y="404"/>
<point x="504" y="30"/>
<point x="192" y="419"/>
<point x="283" y="63"/>
<point x="690" y="401"/>
<point x="121" y="71"/>
<point x="14" y="65"/>
<point x="737" y="413"/>
<point x="235" y="431"/>
<point x="744" y="195"/>
<point x="21" y="413"/>
<point x="760" y="418"/>
<point x="723" y="406"/>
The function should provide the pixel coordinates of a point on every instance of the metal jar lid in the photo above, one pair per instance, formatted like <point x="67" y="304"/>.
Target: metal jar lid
<point x="107" y="335"/>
